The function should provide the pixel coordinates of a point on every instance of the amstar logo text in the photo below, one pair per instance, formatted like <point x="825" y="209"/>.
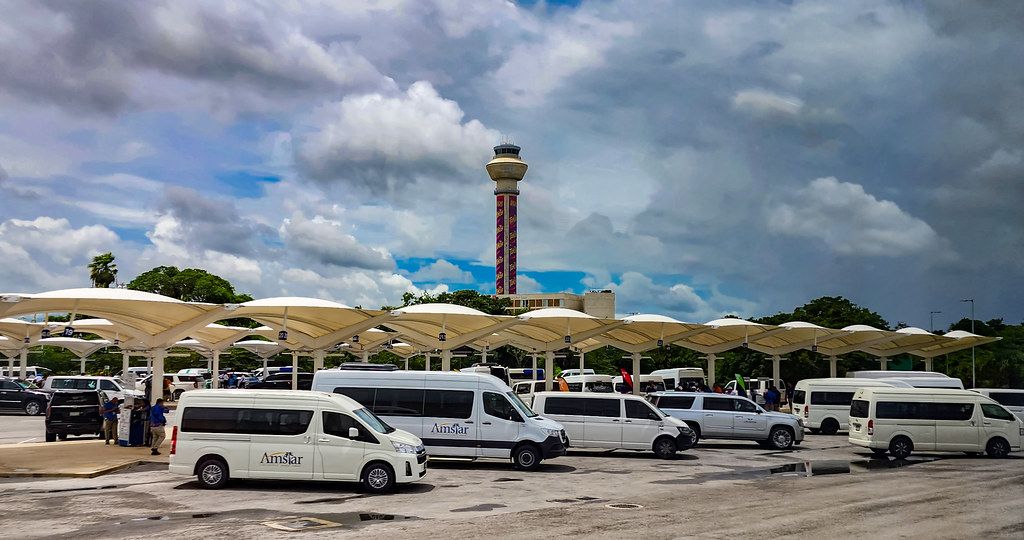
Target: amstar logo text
<point x="281" y="458"/>
<point x="449" y="429"/>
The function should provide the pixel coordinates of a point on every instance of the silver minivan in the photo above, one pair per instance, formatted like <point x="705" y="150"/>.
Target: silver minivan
<point x="723" y="416"/>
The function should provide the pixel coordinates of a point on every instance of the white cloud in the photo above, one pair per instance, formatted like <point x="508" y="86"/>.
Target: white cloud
<point x="441" y="271"/>
<point x="852" y="222"/>
<point x="47" y="253"/>
<point x="350" y="287"/>
<point x="410" y="128"/>
<point x="763" y="102"/>
<point x="328" y="242"/>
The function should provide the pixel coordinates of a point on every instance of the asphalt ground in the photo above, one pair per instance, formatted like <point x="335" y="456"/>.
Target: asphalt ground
<point x="823" y="488"/>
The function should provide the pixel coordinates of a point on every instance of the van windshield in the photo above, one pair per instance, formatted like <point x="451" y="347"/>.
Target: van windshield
<point x="373" y="421"/>
<point x="520" y="406"/>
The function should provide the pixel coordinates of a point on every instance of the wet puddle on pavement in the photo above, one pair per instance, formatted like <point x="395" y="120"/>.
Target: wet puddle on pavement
<point x="803" y="469"/>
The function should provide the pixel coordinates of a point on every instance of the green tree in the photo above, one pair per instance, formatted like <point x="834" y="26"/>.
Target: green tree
<point x="102" y="270"/>
<point x="464" y="297"/>
<point x="190" y="285"/>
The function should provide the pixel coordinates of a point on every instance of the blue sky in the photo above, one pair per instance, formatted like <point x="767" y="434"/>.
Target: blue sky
<point x="699" y="158"/>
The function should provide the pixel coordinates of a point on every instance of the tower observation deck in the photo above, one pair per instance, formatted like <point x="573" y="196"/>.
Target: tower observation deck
<point x="506" y="169"/>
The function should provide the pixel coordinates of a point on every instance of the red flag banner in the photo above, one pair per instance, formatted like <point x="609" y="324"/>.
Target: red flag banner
<point x="626" y="378"/>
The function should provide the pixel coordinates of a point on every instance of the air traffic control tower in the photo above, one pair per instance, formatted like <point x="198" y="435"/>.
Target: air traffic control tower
<point x="506" y="169"/>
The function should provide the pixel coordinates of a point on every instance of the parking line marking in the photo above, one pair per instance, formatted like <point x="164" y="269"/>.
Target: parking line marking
<point x="28" y="440"/>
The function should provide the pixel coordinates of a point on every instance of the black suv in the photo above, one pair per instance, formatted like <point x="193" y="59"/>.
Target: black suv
<point x="74" y="412"/>
<point x="14" y="395"/>
<point x="282" y="380"/>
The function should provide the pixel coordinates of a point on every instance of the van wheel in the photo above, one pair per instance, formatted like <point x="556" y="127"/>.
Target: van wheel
<point x="665" y="448"/>
<point x="213" y="473"/>
<point x="829" y="427"/>
<point x="997" y="448"/>
<point x="878" y="451"/>
<point x="814" y="431"/>
<point x="378" y="478"/>
<point x="526" y="457"/>
<point x="33" y="408"/>
<point x="696" y="434"/>
<point x="177" y="394"/>
<point x="900" y="447"/>
<point x="62" y="436"/>
<point x="50" y="437"/>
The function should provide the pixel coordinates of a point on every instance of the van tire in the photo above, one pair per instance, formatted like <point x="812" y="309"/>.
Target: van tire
<point x="50" y="437"/>
<point x="901" y="447"/>
<point x="177" y="394"/>
<point x="212" y="473"/>
<point x="378" y="477"/>
<point x="780" y="438"/>
<point x="830" y="426"/>
<point x="665" y="447"/>
<point x="878" y="451"/>
<point x="695" y="438"/>
<point x="526" y="457"/>
<point x="997" y="448"/>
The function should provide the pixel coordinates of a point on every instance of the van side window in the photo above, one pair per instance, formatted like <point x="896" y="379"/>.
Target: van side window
<point x="243" y="420"/>
<point x="107" y="385"/>
<point x="924" y="411"/>
<point x="743" y="405"/>
<point x="859" y="408"/>
<point x="997" y="412"/>
<point x="799" y="396"/>
<point x="497" y="405"/>
<point x="830" y="398"/>
<point x="639" y="409"/>
<point x="363" y="395"/>
<point x="603" y="407"/>
<point x="556" y="405"/>
<point x="337" y="424"/>
<point x="398" y="402"/>
<point x="675" y="402"/>
<point x="1010" y="399"/>
<point x="448" y="403"/>
<point x="718" y="404"/>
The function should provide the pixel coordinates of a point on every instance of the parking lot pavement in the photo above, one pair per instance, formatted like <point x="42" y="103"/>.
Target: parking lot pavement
<point x="824" y="488"/>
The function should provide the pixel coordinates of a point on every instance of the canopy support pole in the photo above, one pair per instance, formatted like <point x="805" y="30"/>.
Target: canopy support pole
<point x="295" y="370"/>
<point x="125" y="356"/>
<point x="215" y="370"/>
<point x="426" y="363"/>
<point x="158" y="375"/>
<point x="318" y="359"/>
<point x="832" y="361"/>
<point x="928" y="364"/>
<point x="533" y="365"/>
<point x="23" y="368"/>
<point x="636" y="373"/>
<point x="711" y="367"/>
<point x="883" y="363"/>
<point x="83" y="364"/>
<point x="446" y="359"/>
<point x="549" y="367"/>
<point x="776" y="361"/>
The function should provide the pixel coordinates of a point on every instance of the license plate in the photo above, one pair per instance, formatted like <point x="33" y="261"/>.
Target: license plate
<point x="75" y="413"/>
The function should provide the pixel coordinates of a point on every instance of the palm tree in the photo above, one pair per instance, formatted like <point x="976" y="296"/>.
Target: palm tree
<point x="102" y="270"/>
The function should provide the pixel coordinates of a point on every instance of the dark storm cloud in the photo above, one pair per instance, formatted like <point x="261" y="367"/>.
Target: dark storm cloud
<point x="213" y="224"/>
<point x="325" y="242"/>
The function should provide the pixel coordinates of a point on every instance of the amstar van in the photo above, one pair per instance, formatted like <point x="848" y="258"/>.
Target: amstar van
<point x="686" y="376"/>
<point x="824" y="404"/>
<point x="289" y="435"/>
<point x="455" y="414"/>
<point x="904" y="420"/>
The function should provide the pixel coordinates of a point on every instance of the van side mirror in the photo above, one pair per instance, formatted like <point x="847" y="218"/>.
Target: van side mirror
<point x="353" y="433"/>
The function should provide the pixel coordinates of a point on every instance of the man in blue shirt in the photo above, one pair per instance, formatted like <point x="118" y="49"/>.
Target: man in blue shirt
<point x="157" y="421"/>
<point x="109" y="411"/>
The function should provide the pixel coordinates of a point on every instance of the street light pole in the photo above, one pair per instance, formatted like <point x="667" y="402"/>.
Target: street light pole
<point x="973" y="371"/>
<point x="931" y="321"/>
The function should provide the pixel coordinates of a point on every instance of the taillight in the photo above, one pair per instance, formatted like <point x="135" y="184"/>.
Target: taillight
<point x="806" y="408"/>
<point x="174" y="439"/>
<point x="871" y="427"/>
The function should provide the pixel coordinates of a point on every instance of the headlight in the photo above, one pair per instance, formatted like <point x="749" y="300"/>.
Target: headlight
<point x="552" y="432"/>
<point x="403" y="448"/>
<point x="684" y="430"/>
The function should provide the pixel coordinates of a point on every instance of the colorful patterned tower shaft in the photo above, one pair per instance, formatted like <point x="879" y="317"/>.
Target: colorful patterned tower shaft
<point x="506" y="169"/>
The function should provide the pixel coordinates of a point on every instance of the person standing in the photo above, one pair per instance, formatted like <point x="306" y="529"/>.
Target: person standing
<point x="109" y="411"/>
<point x="789" y="395"/>
<point x="157" y="421"/>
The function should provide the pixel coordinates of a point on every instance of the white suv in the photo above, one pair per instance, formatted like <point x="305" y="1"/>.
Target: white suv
<point x="112" y="386"/>
<point x="722" y="416"/>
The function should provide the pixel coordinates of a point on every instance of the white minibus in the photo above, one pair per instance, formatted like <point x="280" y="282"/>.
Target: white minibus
<point x="289" y="435"/>
<point x="885" y="374"/>
<point x="1012" y="399"/>
<point x="455" y="414"/>
<point x="904" y="420"/>
<point x="686" y="376"/>
<point x="647" y="384"/>
<point x="615" y="421"/>
<point x="589" y="383"/>
<point x="824" y="404"/>
<point x="921" y="382"/>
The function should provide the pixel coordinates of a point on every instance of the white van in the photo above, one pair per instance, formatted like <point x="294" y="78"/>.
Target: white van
<point x="30" y="371"/>
<point x="289" y="435"/>
<point x="902" y="420"/>
<point x="648" y="384"/>
<point x="921" y="382"/>
<point x="527" y="389"/>
<point x="574" y="372"/>
<point x="614" y="421"/>
<point x="111" y="386"/>
<point x="686" y="376"/>
<point x="824" y="404"/>
<point x="589" y="383"/>
<point x="1011" y="399"/>
<point x="455" y="414"/>
<point x="885" y="374"/>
